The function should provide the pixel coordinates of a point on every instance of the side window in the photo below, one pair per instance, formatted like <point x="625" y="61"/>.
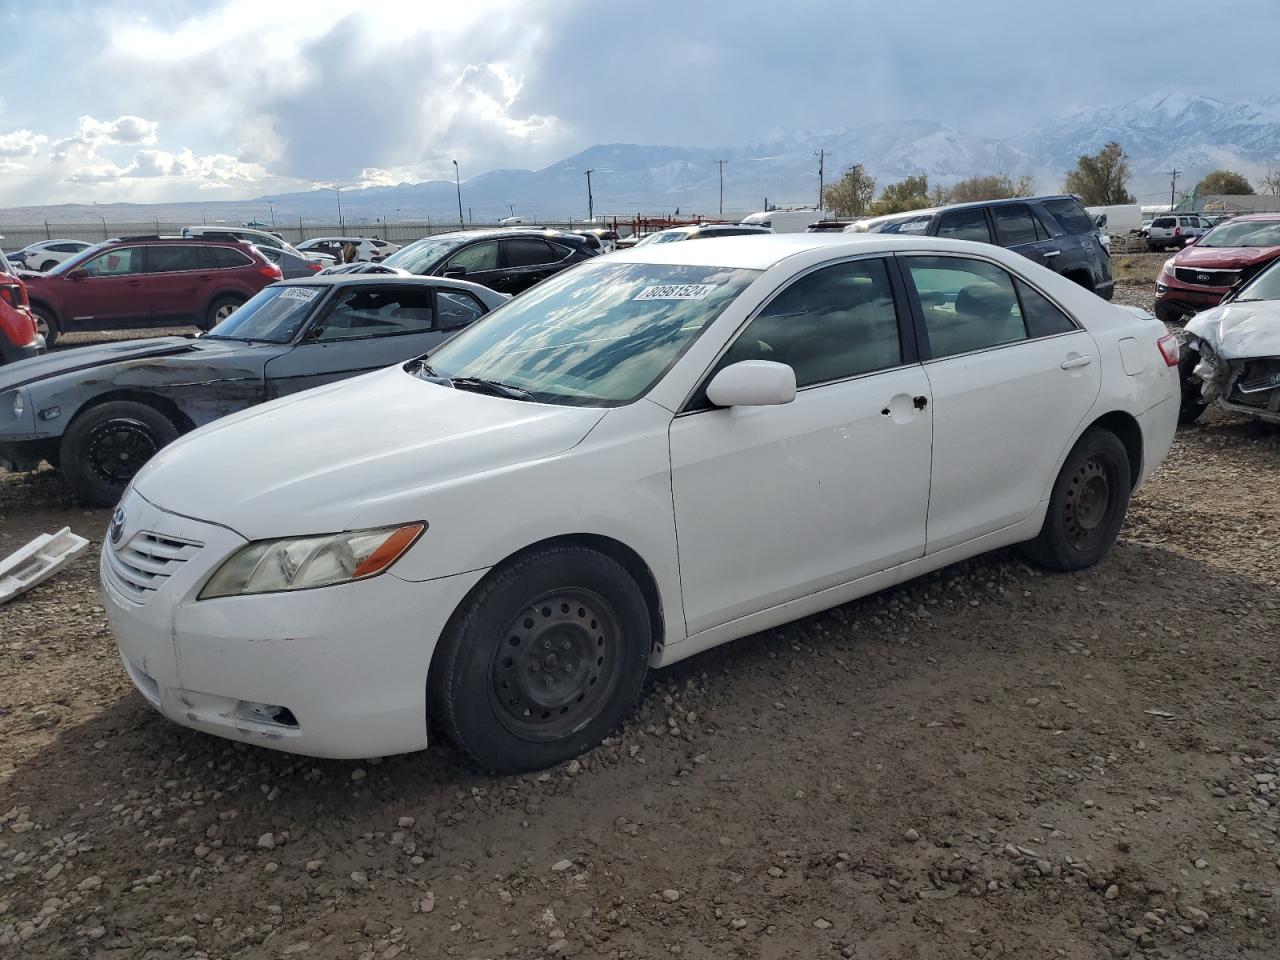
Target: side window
<point x="457" y="309"/>
<point x="65" y="248"/>
<point x="967" y="304"/>
<point x="222" y="258"/>
<point x="1043" y="318"/>
<point x="1014" y="224"/>
<point x="376" y="312"/>
<point x="528" y="252"/>
<point x="115" y="263"/>
<point x="477" y="257"/>
<point x="170" y="259"/>
<point x="836" y="322"/>
<point x="965" y="225"/>
<point x="1068" y="212"/>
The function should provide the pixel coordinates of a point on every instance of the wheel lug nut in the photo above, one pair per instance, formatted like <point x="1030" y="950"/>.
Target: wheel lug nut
<point x="548" y="680"/>
<point x="564" y="644"/>
<point x="546" y="644"/>
<point x="568" y="668"/>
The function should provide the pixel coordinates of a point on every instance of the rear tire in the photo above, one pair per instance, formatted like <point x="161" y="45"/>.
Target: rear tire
<point x="221" y="308"/>
<point x="544" y="659"/>
<point x="1192" y="404"/>
<point x="107" y="445"/>
<point x="1087" y="506"/>
<point x="46" y="324"/>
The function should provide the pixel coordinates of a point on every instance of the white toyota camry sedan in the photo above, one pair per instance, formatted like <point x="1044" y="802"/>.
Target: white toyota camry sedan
<point x="640" y="458"/>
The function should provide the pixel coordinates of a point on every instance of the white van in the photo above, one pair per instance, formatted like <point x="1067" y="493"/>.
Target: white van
<point x="1117" y="219"/>
<point x="785" y="221"/>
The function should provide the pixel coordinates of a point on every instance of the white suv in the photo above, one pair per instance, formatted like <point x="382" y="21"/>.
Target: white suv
<point x="1174" y="230"/>
<point x="366" y="249"/>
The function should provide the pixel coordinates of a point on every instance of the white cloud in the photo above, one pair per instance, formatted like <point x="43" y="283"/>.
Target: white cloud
<point x="21" y="143"/>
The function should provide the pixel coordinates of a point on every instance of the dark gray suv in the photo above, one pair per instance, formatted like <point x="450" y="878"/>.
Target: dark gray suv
<point x="1053" y="231"/>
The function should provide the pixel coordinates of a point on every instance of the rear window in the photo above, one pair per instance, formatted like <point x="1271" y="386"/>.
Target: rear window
<point x="1165" y="222"/>
<point x="916" y="225"/>
<point x="1068" y="212"/>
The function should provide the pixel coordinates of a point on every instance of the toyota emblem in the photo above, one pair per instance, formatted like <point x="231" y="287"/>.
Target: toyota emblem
<point x="117" y="525"/>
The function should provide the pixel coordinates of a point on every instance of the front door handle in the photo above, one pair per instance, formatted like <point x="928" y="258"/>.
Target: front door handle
<point x="1050" y="253"/>
<point x="1075" y="362"/>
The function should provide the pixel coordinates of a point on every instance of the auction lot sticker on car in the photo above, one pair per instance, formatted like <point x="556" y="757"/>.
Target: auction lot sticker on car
<point x="676" y="291"/>
<point x="305" y="294"/>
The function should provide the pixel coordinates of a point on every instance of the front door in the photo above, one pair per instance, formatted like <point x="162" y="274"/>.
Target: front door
<point x="113" y="292"/>
<point x="479" y="263"/>
<point x="775" y="503"/>
<point x="1011" y="376"/>
<point x="365" y="327"/>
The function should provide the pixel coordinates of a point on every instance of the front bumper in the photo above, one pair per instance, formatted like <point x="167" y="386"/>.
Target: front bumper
<point x="347" y="664"/>
<point x="1175" y="299"/>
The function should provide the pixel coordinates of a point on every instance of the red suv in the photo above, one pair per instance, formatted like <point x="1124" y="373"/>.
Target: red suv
<point x="148" y="281"/>
<point x="18" y="337"/>
<point x="1198" y="276"/>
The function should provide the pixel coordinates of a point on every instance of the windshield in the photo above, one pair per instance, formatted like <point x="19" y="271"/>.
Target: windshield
<point x="421" y="255"/>
<point x="273" y="315"/>
<point x="1243" y="233"/>
<point x="599" y="335"/>
<point x="1265" y="286"/>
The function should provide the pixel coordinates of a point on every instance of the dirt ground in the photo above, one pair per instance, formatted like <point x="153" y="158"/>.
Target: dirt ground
<point x="988" y="762"/>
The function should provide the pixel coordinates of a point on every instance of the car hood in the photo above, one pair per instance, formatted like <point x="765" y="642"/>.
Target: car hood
<point x="1224" y="258"/>
<point x="1237" y="331"/>
<point x="356" y="454"/>
<point x="83" y="358"/>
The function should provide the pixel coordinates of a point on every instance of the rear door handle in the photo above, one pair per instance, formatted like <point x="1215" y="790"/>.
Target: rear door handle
<point x="135" y="283"/>
<point x="1076" y="362"/>
<point x="1050" y="253"/>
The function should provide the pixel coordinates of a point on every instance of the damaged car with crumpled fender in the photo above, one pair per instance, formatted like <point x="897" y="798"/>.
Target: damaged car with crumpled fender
<point x="1231" y="354"/>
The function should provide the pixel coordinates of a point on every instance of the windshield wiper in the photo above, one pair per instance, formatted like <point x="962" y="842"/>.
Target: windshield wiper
<point x="494" y="387"/>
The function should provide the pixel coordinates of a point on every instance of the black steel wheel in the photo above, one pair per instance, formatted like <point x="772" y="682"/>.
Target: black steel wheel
<point x="543" y="660"/>
<point x="1087" y="506"/>
<point x="105" y="446"/>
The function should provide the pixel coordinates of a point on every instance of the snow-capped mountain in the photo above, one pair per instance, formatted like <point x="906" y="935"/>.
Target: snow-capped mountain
<point x="1158" y="132"/>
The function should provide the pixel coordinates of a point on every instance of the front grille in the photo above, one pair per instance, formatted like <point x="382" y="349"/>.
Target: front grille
<point x="1259" y="385"/>
<point x="1207" y="278"/>
<point x="143" y="565"/>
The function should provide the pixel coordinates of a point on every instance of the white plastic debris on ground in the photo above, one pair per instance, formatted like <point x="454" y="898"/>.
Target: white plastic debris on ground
<point x="38" y="561"/>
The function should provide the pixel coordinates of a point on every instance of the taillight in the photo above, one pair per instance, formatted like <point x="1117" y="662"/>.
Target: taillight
<point x="271" y="271"/>
<point x="317" y="267"/>
<point x="15" y="295"/>
<point x="1168" y="345"/>
<point x="1177" y="231"/>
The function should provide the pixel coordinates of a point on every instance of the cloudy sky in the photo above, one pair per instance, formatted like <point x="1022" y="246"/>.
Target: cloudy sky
<point x="170" y="100"/>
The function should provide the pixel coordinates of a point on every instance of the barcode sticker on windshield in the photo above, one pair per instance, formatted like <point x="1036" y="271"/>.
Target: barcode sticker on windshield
<point x="676" y="291"/>
<point x="305" y="294"/>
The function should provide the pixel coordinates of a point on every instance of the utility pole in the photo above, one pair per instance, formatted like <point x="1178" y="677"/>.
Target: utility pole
<point x="341" y="226"/>
<point x="272" y="208"/>
<point x="591" y="204"/>
<point x="720" y="164"/>
<point x="457" y="181"/>
<point x="822" y="157"/>
<point x="1173" y="185"/>
<point x="512" y="208"/>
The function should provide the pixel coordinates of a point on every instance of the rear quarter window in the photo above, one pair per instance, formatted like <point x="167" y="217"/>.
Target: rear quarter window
<point x="222" y="258"/>
<point x="1068" y="212"/>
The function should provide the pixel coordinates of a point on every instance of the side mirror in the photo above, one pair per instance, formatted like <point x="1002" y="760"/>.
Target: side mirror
<point x="455" y="272"/>
<point x="79" y="273"/>
<point x="753" y="383"/>
<point x="1190" y="241"/>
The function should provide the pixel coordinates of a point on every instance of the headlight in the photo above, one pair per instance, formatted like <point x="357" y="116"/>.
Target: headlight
<point x="19" y="406"/>
<point x="300" y="563"/>
<point x="1167" y="269"/>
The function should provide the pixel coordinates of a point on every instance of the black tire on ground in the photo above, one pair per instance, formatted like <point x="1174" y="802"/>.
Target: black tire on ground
<point x="544" y="659"/>
<point x="1081" y="279"/>
<point x="106" y="445"/>
<point x="1087" y="506"/>
<point x="221" y="308"/>
<point x="1192" y="403"/>
<point x="48" y="265"/>
<point x="46" y="323"/>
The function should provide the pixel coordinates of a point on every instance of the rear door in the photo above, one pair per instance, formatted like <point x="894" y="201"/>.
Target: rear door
<point x="1011" y="376"/>
<point x="527" y="260"/>
<point x="178" y="283"/>
<point x="365" y="327"/>
<point x="1022" y="232"/>
<point x="968" y="223"/>
<point x="114" y="291"/>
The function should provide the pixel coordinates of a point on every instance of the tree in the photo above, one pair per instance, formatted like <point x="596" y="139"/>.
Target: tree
<point x="909" y="194"/>
<point x="1101" y="178"/>
<point x="1271" y="183"/>
<point x="1223" y="182"/>
<point x="998" y="186"/>
<point x="851" y="195"/>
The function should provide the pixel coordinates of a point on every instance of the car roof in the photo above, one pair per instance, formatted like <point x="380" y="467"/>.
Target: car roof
<point x="750" y="252"/>
<point x="366" y="279"/>
<point x="506" y="233"/>
<point x="930" y="211"/>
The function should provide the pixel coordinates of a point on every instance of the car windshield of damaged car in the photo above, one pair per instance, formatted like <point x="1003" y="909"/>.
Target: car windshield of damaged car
<point x="273" y="315"/>
<point x="1265" y="286"/>
<point x="1243" y="233"/>
<point x="600" y="335"/>
<point x="421" y="255"/>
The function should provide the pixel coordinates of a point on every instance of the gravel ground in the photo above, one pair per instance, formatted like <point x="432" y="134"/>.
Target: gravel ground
<point x="988" y="762"/>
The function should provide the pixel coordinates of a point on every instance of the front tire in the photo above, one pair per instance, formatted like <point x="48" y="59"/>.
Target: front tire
<point x="1087" y="506"/>
<point x="543" y="660"/>
<point x="1192" y="402"/>
<point x="107" y="445"/>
